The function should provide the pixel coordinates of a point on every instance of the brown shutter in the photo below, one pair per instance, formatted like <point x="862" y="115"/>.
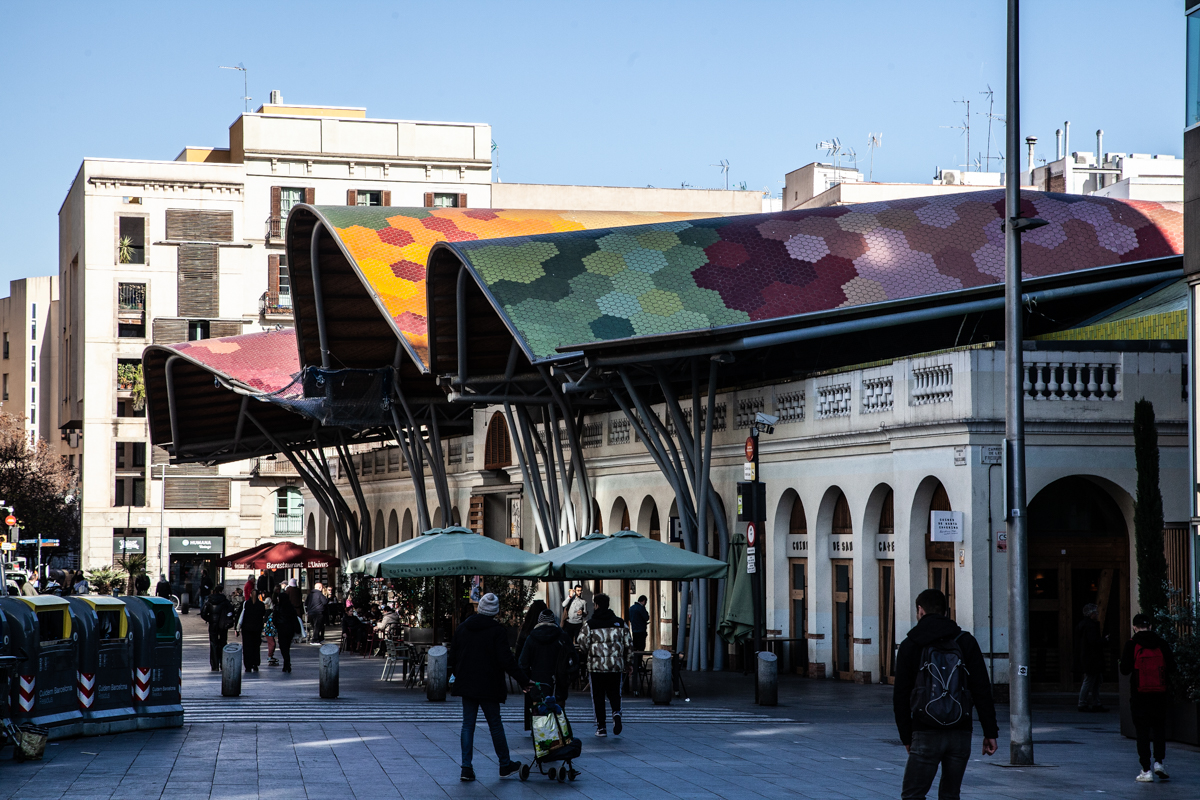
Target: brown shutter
<point x="190" y="225"/>
<point x="275" y="204"/>
<point x="209" y="493"/>
<point x="462" y="201"/>
<point x="387" y="197"/>
<point x="310" y="195"/>
<point x="273" y="273"/>
<point x="218" y="329"/>
<point x="198" y="281"/>
<point x="429" y="199"/>
<point x="169" y="331"/>
<point x="351" y="197"/>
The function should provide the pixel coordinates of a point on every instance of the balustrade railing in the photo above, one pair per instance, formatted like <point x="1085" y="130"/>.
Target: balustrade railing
<point x="833" y="401"/>
<point x="932" y="384"/>
<point x="1072" y="380"/>
<point x="877" y="395"/>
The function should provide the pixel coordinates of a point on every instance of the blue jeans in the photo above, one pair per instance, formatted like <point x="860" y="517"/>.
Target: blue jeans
<point x="491" y="712"/>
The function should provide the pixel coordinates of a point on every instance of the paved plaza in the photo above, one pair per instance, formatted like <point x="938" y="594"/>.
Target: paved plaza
<point x="380" y="740"/>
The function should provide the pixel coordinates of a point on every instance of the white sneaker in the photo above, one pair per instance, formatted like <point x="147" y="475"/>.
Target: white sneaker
<point x="1160" y="770"/>
<point x="1146" y="776"/>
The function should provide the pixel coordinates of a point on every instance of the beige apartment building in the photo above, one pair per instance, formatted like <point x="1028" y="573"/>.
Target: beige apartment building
<point x="29" y="359"/>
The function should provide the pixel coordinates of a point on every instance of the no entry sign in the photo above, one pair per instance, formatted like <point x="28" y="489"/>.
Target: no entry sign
<point x="10" y="520"/>
<point x="749" y="448"/>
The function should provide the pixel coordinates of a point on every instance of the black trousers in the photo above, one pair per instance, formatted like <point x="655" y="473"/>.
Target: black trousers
<point x="251" y="647"/>
<point x="639" y="641"/>
<point x="1149" y="712"/>
<point x="606" y="685"/>
<point x="951" y="750"/>
<point x="317" y="623"/>
<point x="217" y="639"/>
<point x="285" y="648"/>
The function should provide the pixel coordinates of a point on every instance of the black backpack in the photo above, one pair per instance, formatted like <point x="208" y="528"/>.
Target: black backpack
<point x="941" y="697"/>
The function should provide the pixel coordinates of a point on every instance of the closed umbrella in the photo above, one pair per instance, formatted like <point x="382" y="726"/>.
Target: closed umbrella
<point x="627" y="555"/>
<point x="443" y="552"/>
<point x="737" y="612"/>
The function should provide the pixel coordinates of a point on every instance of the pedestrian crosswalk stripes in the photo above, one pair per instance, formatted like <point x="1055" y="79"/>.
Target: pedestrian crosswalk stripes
<point x="218" y="710"/>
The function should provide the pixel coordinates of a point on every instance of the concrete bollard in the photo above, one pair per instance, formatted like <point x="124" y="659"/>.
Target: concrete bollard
<point x="436" y="667"/>
<point x="231" y="670"/>
<point x="768" y="679"/>
<point x="661" y="678"/>
<point x="329" y="671"/>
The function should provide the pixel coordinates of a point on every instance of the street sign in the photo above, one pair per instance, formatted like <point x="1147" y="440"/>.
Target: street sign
<point x="749" y="448"/>
<point x="945" y="526"/>
<point x="8" y="545"/>
<point x="10" y="520"/>
<point x="27" y="541"/>
<point x="49" y="542"/>
<point x="748" y="471"/>
<point x="751" y="535"/>
<point x="990" y="454"/>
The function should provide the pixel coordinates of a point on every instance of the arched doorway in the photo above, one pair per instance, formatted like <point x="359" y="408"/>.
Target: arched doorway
<point x="497" y="447"/>
<point x="378" y="532"/>
<point x="886" y="554"/>
<point x="310" y="535"/>
<point x="797" y="550"/>
<point x="393" y="529"/>
<point x="843" y="591"/>
<point x="1078" y="554"/>
<point x="406" y="530"/>
<point x="659" y="593"/>
<point x="597" y="521"/>
<point x="940" y="555"/>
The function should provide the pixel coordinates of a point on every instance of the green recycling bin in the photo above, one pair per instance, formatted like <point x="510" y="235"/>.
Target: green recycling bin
<point x="41" y="631"/>
<point x="8" y="668"/>
<point x="105" y="673"/>
<point x="157" y="661"/>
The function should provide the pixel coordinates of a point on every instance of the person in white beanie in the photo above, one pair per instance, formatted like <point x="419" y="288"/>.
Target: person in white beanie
<point x="478" y="660"/>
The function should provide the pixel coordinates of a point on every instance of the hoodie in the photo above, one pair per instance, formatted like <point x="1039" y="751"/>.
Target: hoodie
<point x="479" y="658"/>
<point x="1145" y="639"/>
<point x="931" y="628"/>
<point x="607" y="641"/>
<point x="546" y="656"/>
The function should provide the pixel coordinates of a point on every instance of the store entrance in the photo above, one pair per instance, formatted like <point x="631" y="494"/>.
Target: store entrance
<point x="194" y="553"/>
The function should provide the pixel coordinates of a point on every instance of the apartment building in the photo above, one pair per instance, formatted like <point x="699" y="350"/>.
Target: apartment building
<point x="29" y="359"/>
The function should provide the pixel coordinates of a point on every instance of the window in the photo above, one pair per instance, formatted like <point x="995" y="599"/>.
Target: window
<point x="131" y="310"/>
<point x="130" y="455"/>
<point x="131" y="240"/>
<point x="445" y="200"/>
<point x="32" y="417"/>
<point x="33" y="310"/>
<point x="33" y="330"/>
<point x="33" y="374"/>
<point x="33" y="395"/>
<point x="6" y="386"/>
<point x="1192" y="115"/>
<point x="368" y="198"/>
<point x="133" y="201"/>
<point x="197" y="329"/>
<point x="6" y="345"/>
<point x="288" y="198"/>
<point x="130" y="492"/>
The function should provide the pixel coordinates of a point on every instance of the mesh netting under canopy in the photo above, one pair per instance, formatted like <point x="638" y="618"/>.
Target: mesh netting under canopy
<point x="347" y="398"/>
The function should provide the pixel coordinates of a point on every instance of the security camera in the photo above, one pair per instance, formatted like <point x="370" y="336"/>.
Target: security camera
<point x="765" y="419"/>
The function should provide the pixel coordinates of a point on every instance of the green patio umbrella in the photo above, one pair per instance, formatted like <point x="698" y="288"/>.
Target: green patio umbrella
<point x="737" y="612"/>
<point x="444" y="552"/>
<point x="628" y="555"/>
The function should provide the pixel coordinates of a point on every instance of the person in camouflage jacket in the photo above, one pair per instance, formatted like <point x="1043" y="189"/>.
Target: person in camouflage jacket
<point x="609" y="647"/>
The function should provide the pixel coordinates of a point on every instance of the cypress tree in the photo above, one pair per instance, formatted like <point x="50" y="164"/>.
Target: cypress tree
<point x="1148" y="512"/>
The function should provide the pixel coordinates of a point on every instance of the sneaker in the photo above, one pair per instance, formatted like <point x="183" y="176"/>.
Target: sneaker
<point x="467" y="774"/>
<point x="601" y="733"/>
<point x="510" y="768"/>
<point x="1145" y="776"/>
<point x="616" y="725"/>
<point x="1160" y="770"/>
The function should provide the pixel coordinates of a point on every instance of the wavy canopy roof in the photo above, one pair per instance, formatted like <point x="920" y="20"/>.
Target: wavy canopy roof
<point x="566" y="289"/>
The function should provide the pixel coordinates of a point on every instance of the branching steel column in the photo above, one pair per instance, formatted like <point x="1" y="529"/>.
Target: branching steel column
<point x="318" y="296"/>
<point x="403" y="436"/>
<point x="578" y="465"/>
<point x="460" y="298"/>
<point x="527" y="480"/>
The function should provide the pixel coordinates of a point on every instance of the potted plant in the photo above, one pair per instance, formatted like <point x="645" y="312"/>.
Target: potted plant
<point x="130" y="378"/>
<point x="125" y="250"/>
<point x="103" y="579"/>
<point x="1178" y="626"/>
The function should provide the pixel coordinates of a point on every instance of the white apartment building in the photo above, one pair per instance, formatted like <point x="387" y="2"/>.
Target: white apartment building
<point x="29" y="362"/>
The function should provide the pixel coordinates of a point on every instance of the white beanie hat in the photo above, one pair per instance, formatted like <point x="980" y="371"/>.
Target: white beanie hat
<point x="293" y="582"/>
<point x="489" y="605"/>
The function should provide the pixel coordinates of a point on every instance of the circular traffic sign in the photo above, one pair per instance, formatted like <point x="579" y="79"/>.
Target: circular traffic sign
<point x="10" y="520"/>
<point x="750" y="534"/>
<point x="749" y="448"/>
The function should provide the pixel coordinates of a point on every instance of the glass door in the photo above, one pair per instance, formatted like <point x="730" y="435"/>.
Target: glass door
<point x="887" y="622"/>
<point x="843" y="619"/>
<point x="941" y="577"/>
<point x="798" y="589"/>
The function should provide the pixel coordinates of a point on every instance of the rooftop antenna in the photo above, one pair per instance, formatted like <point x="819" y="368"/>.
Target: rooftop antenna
<point x="723" y="164"/>
<point x="966" y="128"/>
<point x="990" y="116"/>
<point x="874" y="140"/>
<point x="853" y="156"/>
<point x="832" y="147"/>
<point x="496" y="160"/>
<point x="245" y="83"/>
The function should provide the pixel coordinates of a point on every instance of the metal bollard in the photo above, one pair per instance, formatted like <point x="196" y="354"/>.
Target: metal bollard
<point x="329" y="671"/>
<point x="436" y="666"/>
<point x="660" y="677"/>
<point x="231" y="670"/>
<point x="768" y="679"/>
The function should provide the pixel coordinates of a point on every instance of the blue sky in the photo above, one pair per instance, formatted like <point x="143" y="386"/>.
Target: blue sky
<point x="641" y="93"/>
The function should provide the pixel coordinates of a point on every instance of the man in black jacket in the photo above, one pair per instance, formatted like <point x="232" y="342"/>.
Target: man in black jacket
<point x="1089" y="643"/>
<point x="217" y="611"/>
<point x="478" y="660"/>
<point x="930" y="747"/>
<point x="1148" y="695"/>
<point x="315" y="606"/>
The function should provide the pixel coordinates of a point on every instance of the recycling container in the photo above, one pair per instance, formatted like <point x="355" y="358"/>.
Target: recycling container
<point x="104" y="681"/>
<point x="157" y="661"/>
<point x="7" y="670"/>
<point x="41" y="631"/>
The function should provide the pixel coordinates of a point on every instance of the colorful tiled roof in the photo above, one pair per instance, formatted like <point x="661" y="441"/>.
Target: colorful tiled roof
<point x="265" y="362"/>
<point x="561" y="289"/>
<point x="391" y="246"/>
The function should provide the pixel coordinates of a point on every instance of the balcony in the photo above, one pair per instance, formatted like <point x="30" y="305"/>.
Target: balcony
<point x="289" y="526"/>
<point x="275" y="227"/>
<point x="275" y="305"/>
<point x="278" y="467"/>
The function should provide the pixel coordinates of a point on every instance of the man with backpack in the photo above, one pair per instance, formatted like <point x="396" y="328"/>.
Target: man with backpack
<point x="940" y="676"/>
<point x="1147" y="660"/>
<point x="219" y="614"/>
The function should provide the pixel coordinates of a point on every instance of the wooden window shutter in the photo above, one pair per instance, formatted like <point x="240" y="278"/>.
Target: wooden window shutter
<point x="191" y="225"/>
<point x="276" y="208"/>
<point x="310" y="195"/>
<point x="198" y="280"/>
<point x="169" y="331"/>
<point x="273" y="273"/>
<point x="208" y="493"/>
<point x="218" y="329"/>
<point x="351" y="197"/>
<point x="387" y="197"/>
<point x="429" y="199"/>
<point x="497" y="450"/>
<point x="462" y="201"/>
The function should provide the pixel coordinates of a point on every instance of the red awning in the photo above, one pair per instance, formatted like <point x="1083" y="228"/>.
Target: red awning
<point x="279" y="555"/>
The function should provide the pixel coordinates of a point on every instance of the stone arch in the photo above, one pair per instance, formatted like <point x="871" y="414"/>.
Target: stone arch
<point x="599" y="521"/>
<point x="618" y="518"/>
<point x="497" y="446"/>
<point x="393" y="529"/>
<point x="378" y="532"/>
<point x="938" y="558"/>
<point x="455" y="517"/>
<point x="406" y="530"/>
<point x="649" y="523"/>
<point x="310" y="533"/>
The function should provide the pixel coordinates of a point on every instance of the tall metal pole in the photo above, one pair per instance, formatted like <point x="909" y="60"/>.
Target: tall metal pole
<point x="1020" y="721"/>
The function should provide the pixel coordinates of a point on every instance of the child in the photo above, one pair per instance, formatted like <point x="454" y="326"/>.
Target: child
<point x="1148" y="661"/>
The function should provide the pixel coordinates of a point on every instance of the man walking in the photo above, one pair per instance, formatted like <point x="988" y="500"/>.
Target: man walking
<point x="315" y="607"/>
<point x="940" y="673"/>
<point x="478" y="660"/>
<point x="639" y="623"/>
<point x="1148" y="660"/>
<point x="609" y="649"/>
<point x="1089" y="640"/>
<point x="575" y="613"/>
<point x="218" y="613"/>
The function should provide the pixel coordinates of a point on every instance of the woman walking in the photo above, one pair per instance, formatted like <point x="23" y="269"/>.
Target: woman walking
<point x="531" y="621"/>
<point x="548" y="658"/>
<point x="269" y="629"/>
<point x="287" y="625"/>
<point x="253" y="619"/>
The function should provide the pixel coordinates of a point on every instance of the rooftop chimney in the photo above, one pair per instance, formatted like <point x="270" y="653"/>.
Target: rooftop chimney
<point x="1030" y="141"/>
<point x="1058" y="151"/>
<point x="276" y="97"/>
<point x="1067" y="138"/>
<point x="1100" y="158"/>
